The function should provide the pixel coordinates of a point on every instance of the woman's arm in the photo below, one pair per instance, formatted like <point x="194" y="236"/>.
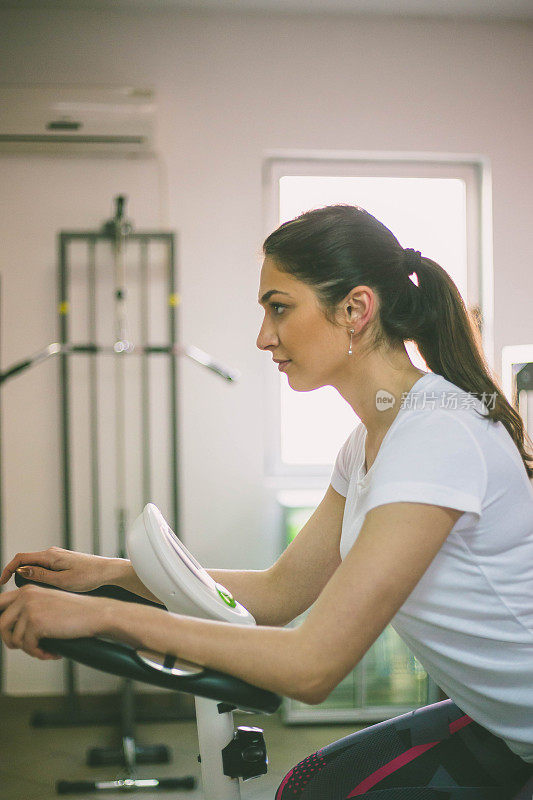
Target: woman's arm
<point x="279" y="594"/>
<point x="121" y="573"/>
<point x="396" y="544"/>
<point x="75" y="572"/>
<point x="274" y="596"/>
<point x="254" y="586"/>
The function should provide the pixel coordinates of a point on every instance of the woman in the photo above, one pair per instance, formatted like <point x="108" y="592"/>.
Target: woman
<point x="427" y="523"/>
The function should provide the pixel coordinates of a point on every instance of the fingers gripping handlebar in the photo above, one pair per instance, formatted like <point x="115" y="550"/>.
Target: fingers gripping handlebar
<point x="155" y="668"/>
<point x="113" y="592"/>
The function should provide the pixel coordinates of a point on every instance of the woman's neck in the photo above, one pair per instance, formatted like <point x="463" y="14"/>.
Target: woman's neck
<point x="374" y="387"/>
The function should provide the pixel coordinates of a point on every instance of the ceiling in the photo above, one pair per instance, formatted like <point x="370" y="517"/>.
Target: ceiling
<point x="477" y="9"/>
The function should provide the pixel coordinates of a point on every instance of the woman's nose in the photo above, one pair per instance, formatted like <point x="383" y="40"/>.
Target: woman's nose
<point x="267" y="337"/>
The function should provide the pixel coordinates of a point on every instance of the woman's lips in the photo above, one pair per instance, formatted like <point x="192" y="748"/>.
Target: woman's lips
<point x="282" y="365"/>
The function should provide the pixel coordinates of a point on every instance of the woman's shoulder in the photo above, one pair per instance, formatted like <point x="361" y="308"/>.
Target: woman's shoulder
<point x="437" y="400"/>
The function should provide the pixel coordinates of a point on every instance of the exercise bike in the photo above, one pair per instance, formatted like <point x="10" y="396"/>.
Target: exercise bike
<point x="172" y="574"/>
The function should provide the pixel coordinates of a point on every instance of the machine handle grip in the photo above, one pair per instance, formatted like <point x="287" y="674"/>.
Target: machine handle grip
<point x="123" y="660"/>
<point x="14" y="370"/>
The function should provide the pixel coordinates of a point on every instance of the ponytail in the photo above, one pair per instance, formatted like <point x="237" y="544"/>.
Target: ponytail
<point x="448" y="337"/>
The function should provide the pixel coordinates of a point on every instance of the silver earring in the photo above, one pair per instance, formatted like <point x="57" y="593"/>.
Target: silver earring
<point x="350" y="351"/>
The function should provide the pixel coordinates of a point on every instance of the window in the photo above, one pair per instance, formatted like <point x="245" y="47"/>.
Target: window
<point x="432" y="205"/>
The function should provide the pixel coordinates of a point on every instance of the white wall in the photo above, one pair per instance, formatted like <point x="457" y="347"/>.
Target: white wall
<point x="231" y="87"/>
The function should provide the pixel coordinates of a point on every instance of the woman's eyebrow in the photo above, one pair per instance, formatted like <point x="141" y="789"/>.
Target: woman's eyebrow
<point x="269" y="294"/>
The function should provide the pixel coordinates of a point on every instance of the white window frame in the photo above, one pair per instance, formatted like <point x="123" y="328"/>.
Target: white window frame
<point x="475" y="170"/>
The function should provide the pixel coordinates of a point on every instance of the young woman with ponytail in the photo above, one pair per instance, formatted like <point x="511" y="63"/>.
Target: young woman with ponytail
<point x="427" y="524"/>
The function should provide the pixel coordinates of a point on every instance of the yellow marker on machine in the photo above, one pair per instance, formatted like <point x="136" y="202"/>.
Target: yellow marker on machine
<point x="64" y="308"/>
<point x="174" y="300"/>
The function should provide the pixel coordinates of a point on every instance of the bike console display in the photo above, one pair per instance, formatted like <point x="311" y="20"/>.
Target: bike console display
<point x="172" y="573"/>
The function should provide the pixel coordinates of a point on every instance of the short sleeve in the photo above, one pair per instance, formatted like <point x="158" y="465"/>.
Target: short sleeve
<point x="343" y="468"/>
<point x="431" y="458"/>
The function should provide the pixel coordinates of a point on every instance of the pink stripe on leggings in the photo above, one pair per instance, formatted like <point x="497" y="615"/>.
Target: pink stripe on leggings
<point x="460" y="723"/>
<point x="400" y="761"/>
<point x="284" y="783"/>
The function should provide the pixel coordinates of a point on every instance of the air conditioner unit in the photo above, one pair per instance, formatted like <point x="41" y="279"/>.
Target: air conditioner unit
<point x="77" y="119"/>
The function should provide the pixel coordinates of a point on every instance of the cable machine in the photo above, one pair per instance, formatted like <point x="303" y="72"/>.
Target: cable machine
<point x="84" y="289"/>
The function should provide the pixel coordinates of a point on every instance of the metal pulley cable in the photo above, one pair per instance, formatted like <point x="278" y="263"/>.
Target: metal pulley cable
<point x="123" y="349"/>
<point x="118" y="229"/>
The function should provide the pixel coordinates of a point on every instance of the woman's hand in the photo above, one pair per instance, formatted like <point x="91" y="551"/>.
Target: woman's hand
<point x="75" y="572"/>
<point x="33" y="612"/>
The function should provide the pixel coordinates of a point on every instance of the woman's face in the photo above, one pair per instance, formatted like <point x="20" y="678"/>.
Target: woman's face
<point x="296" y="331"/>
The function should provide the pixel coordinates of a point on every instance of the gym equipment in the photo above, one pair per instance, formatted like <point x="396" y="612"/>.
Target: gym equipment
<point x="173" y="575"/>
<point x="225" y="755"/>
<point x="517" y="380"/>
<point x="56" y="348"/>
<point x="117" y="232"/>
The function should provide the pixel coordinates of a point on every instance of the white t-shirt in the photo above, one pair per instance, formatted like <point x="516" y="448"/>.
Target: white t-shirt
<point x="469" y="620"/>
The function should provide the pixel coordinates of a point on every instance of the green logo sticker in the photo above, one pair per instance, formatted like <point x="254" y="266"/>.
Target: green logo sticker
<point x="226" y="596"/>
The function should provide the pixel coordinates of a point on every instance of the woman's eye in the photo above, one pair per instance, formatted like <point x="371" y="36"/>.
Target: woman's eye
<point x="278" y="308"/>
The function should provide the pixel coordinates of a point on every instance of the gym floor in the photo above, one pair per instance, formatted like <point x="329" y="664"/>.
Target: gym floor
<point x="31" y="759"/>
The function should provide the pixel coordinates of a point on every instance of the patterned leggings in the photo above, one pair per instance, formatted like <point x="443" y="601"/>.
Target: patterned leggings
<point x="433" y="753"/>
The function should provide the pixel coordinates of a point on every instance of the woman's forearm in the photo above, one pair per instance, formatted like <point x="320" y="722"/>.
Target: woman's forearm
<point x="120" y="572"/>
<point x="271" y="658"/>
<point x="258" y="592"/>
<point x="253" y="589"/>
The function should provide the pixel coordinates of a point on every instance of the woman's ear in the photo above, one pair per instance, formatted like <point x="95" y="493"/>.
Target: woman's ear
<point x="358" y="307"/>
<point x="353" y="315"/>
<point x="345" y="313"/>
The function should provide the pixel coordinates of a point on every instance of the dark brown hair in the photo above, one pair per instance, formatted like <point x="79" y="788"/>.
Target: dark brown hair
<point x="335" y="248"/>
